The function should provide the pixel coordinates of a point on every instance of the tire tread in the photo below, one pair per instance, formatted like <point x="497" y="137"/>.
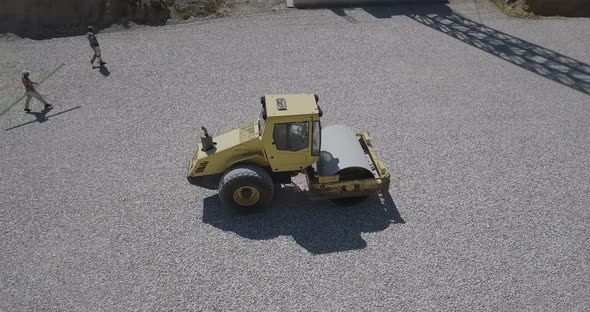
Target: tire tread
<point x="246" y="172"/>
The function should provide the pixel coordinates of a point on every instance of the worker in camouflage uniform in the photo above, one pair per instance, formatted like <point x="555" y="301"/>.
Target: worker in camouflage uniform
<point x="94" y="45"/>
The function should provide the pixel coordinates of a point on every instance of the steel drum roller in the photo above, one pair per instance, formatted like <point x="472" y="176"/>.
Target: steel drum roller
<point x="341" y="154"/>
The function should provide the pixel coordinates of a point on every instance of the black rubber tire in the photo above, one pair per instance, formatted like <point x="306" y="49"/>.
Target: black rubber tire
<point x="348" y="201"/>
<point x="246" y="175"/>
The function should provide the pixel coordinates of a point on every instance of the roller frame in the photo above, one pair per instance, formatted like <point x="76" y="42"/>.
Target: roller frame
<point x="329" y="187"/>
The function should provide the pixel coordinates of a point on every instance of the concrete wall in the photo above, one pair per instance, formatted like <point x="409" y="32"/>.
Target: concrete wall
<point x="23" y="16"/>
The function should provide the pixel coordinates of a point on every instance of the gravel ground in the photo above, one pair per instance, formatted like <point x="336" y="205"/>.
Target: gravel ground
<point x="489" y="161"/>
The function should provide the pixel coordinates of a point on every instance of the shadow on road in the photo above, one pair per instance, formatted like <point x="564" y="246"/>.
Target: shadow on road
<point x="104" y="70"/>
<point x="317" y="226"/>
<point x="42" y="117"/>
<point x="340" y="12"/>
<point x="534" y="58"/>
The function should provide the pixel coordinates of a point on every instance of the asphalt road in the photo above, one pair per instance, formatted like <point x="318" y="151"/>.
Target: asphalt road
<point x="483" y="121"/>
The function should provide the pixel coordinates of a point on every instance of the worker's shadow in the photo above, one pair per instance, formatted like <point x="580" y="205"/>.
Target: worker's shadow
<point x="103" y="70"/>
<point x="318" y="226"/>
<point x="42" y="116"/>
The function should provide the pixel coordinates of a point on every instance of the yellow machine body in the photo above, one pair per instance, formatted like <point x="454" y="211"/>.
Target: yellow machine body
<point x="286" y="141"/>
<point x="259" y="142"/>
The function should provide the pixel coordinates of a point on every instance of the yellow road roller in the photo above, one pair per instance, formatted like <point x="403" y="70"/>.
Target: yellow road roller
<point x="245" y="164"/>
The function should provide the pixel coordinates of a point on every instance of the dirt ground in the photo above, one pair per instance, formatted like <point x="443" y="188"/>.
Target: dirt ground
<point x="190" y="10"/>
<point x="236" y="7"/>
<point x="537" y="8"/>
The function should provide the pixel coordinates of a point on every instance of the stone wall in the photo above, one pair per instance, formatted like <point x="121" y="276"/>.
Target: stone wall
<point x="560" y="7"/>
<point x="30" y="16"/>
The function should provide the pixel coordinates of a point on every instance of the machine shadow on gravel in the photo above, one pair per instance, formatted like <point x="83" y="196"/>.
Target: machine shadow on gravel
<point x="534" y="58"/>
<point x="318" y="226"/>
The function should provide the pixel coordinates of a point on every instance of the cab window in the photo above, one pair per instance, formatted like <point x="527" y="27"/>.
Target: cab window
<point x="298" y="136"/>
<point x="291" y="136"/>
<point x="316" y="138"/>
<point x="280" y="136"/>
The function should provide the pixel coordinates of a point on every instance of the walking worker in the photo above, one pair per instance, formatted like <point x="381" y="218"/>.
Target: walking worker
<point x="31" y="92"/>
<point x="94" y="45"/>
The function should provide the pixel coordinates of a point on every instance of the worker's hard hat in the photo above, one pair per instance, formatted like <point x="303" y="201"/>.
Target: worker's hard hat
<point x="90" y="28"/>
<point x="26" y="72"/>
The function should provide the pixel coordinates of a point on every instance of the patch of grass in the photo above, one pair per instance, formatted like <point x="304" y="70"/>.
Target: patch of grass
<point x="515" y="8"/>
<point x="198" y="8"/>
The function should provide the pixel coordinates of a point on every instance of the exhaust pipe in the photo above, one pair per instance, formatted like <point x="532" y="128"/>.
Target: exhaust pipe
<point x="207" y="140"/>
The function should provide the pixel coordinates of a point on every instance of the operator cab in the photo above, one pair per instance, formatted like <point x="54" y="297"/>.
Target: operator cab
<point x="290" y="130"/>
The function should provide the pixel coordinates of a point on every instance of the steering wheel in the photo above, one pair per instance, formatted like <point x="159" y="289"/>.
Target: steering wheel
<point x="299" y="130"/>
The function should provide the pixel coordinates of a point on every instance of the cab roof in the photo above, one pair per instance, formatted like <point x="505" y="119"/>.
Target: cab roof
<point x="278" y="105"/>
